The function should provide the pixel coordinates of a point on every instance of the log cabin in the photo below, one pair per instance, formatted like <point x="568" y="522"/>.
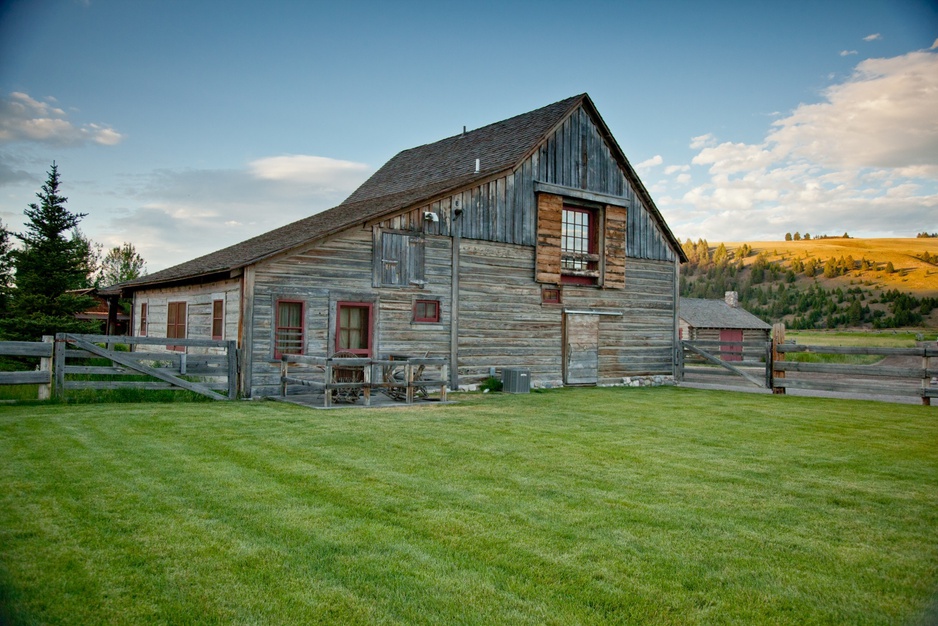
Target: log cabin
<point x="529" y="243"/>
<point x="721" y="320"/>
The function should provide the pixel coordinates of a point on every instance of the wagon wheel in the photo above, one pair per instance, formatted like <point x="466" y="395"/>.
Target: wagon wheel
<point x="347" y="374"/>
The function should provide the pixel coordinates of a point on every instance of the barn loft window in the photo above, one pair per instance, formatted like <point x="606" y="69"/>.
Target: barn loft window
<point x="579" y="249"/>
<point x="550" y="295"/>
<point x="427" y="311"/>
<point x="176" y="323"/>
<point x="353" y="328"/>
<point x="400" y="261"/>
<point x="218" y="319"/>
<point x="288" y="336"/>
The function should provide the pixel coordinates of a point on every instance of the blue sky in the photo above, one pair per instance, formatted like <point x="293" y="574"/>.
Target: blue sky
<point x="183" y="127"/>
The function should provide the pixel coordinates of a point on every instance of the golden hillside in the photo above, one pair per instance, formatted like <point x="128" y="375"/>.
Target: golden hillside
<point x="912" y="274"/>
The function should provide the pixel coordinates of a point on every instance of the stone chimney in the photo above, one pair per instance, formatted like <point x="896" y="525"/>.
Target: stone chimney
<point x="732" y="299"/>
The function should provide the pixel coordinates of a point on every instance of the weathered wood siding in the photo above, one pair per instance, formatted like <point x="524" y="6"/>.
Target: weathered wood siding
<point x="502" y="322"/>
<point x="713" y="334"/>
<point x="504" y="209"/>
<point x="198" y="299"/>
<point x="342" y="269"/>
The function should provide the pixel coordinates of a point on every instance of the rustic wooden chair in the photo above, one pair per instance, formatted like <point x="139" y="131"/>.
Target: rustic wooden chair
<point x="394" y="375"/>
<point x="347" y="374"/>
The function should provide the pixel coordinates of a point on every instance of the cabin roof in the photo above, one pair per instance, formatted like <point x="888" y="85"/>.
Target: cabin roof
<point x="701" y="313"/>
<point x="410" y="177"/>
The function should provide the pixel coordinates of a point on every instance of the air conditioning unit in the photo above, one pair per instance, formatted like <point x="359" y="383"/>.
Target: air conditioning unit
<point x="516" y="381"/>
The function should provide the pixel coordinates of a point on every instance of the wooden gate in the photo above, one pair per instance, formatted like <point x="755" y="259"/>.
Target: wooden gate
<point x="172" y="369"/>
<point x="708" y="362"/>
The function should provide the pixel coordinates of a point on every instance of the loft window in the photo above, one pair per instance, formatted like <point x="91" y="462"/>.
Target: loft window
<point x="353" y="328"/>
<point x="288" y="337"/>
<point x="176" y="323"/>
<point x="579" y="257"/>
<point x="401" y="262"/>
<point x="427" y="311"/>
<point x="218" y="319"/>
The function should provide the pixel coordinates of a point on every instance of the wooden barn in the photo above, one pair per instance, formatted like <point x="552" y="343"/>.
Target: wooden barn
<point x="529" y="243"/>
<point x="721" y="320"/>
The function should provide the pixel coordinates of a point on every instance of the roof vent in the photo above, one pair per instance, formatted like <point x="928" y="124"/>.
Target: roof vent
<point x="477" y="166"/>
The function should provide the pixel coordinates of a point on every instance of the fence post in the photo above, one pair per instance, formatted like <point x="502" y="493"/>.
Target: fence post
<point x="284" y="372"/>
<point x="680" y="361"/>
<point x="232" y="369"/>
<point x="58" y="367"/>
<point x="778" y="337"/>
<point x="45" y="365"/>
<point x="926" y="401"/>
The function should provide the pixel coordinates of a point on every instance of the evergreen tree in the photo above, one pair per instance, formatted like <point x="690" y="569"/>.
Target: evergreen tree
<point x="6" y="269"/>
<point x="47" y="267"/>
<point x="787" y="236"/>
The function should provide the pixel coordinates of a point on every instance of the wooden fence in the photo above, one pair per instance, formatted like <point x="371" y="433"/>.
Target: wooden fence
<point x="41" y="377"/>
<point x="212" y="375"/>
<point x="901" y="372"/>
<point x="714" y="361"/>
<point x="347" y="379"/>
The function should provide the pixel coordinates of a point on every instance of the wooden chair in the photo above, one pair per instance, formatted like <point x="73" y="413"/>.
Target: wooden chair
<point x="347" y="374"/>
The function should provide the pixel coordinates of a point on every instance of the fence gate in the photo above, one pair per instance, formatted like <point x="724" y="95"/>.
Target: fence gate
<point x="173" y="368"/>
<point x="709" y="362"/>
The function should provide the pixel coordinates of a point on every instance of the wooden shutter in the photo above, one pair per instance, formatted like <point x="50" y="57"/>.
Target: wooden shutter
<point x="547" y="264"/>
<point x="615" y="247"/>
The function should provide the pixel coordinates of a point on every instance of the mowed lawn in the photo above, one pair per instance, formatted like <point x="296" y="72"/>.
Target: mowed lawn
<point x="575" y="506"/>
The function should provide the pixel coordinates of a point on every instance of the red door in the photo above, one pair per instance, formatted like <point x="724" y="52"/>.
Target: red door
<point x="730" y="352"/>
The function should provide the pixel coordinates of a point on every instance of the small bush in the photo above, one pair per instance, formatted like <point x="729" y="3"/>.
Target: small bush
<point x="491" y="384"/>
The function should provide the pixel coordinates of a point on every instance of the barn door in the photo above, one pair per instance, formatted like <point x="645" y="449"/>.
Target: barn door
<point x="581" y="349"/>
<point x="731" y="352"/>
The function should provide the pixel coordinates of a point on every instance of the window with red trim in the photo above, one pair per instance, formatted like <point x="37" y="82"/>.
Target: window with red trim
<point x="143" y="319"/>
<point x="353" y="328"/>
<point x="288" y="333"/>
<point x="550" y="295"/>
<point x="218" y="319"/>
<point x="176" y="323"/>
<point x="579" y="258"/>
<point x="427" y="311"/>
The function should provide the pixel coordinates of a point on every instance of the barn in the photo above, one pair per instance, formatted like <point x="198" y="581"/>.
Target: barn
<point x="528" y="243"/>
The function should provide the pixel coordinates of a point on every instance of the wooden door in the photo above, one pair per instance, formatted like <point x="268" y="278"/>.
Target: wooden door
<point x="581" y="349"/>
<point x="731" y="353"/>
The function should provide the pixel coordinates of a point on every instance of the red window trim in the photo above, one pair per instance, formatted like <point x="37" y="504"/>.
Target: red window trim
<point x="592" y="245"/>
<point x="176" y="325"/>
<point x="338" y="330"/>
<point x="428" y="320"/>
<point x="220" y="319"/>
<point x="301" y="327"/>
<point x="143" y="319"/>
<point x="546" y="297"/>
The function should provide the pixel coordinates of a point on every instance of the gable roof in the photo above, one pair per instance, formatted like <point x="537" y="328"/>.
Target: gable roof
<point x="701" y="313"/>
<point x="411" y="177"/>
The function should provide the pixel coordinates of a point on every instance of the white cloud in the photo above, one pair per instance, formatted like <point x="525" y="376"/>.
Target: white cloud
<point x="674" y="169"/>
<point x="863" y="159"/>
<point x="650" y="163"/>
<point x="873" y="37"/>
<point x="306" y="169"/>
<point x="24" y="119"/>
<point x="846" y="53"/>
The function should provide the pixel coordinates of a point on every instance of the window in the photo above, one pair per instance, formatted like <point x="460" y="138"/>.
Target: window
<point x="550" y="295"/>
<point x="218" y="319"/>
<point x="427" y="311"/>
<point x="288" y="336"/>
<point x="578" y="247"/>
<point x="176" y="323"/>
<point x="353" y="328"/>
<point x="401" y="262"/>
<point x="143" y="319"/>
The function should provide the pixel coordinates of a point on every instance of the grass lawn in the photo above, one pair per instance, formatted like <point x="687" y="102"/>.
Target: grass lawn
<point x="651" y="506"/>
<point x="874" y="339"/>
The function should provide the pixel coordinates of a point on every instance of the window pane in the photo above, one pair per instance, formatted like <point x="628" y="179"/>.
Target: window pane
<point x="289" y="335"/>
<point x="353" y="332"/>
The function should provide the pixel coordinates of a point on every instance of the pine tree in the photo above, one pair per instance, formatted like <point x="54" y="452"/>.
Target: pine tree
<point x="48" y="266"/>
<point x="6" y="269"/>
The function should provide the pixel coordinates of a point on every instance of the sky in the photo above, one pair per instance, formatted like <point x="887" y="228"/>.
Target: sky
<point x="183" y="127"/>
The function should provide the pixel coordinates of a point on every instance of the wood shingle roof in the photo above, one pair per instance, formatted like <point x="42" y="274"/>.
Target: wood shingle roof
<point x="701" y="313"/>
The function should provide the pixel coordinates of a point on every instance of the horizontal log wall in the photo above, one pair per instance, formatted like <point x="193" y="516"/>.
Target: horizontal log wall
<point x="198" y="299"/>
<point x="504" y="209"/>
<point x="342" y="269"/>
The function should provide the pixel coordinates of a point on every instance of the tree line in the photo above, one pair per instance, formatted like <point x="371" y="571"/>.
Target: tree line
<point x="769" y="289"/>
<point x="43" y="277"/>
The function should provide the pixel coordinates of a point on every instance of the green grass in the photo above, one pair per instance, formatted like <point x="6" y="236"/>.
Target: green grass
<point x="881" y="339"/>
<point x="645" y="506"/>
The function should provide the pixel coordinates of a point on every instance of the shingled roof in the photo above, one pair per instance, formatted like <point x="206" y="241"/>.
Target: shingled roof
<point x="412" y="176"/>
<point x="701" y="313"/>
